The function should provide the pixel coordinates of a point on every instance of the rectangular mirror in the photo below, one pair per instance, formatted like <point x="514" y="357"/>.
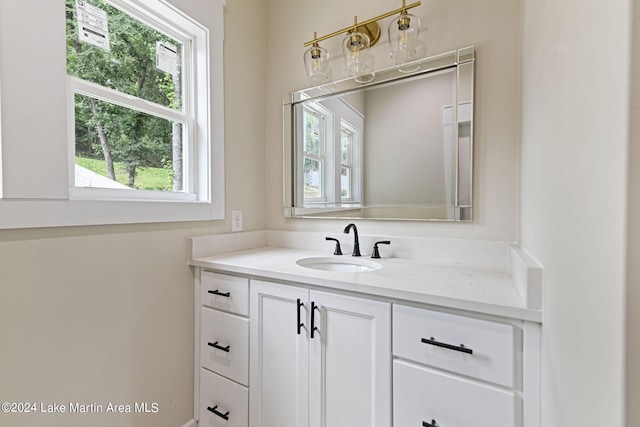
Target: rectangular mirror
<point x="398" y="146"/>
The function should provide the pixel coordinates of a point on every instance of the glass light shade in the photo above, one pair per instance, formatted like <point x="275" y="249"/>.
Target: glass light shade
<point x="316" y="62"/>
<point x="358" y="61"/>
<point x="403" y="38"/>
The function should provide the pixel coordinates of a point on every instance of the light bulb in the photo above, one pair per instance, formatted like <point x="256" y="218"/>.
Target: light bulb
<point x="358" y="61"/>
<point x="316" y="62"/>
<point x="403" y="39"/>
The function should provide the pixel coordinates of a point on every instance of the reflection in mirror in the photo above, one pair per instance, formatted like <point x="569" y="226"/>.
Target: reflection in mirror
<point x="399" y="147"/>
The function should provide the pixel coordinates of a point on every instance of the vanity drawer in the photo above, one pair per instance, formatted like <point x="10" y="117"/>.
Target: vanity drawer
<point x="224" y="292"/>
<point x="473" y="347"/>
<point x="222" y="402"/>
<point x="422" y="395"/>
<point x="224" y="344"/>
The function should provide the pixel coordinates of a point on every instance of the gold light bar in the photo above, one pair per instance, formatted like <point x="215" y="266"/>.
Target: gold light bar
<point x="364" y="23"/>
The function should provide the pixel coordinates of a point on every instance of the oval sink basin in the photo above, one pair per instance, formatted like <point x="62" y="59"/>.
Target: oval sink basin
<point x="350" y="265"/>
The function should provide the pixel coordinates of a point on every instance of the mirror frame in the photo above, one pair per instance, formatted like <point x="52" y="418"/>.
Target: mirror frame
<point x="458" y="59"/>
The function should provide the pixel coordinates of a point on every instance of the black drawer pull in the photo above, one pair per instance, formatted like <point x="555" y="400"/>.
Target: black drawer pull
<point x="314" y="307"/>
<point x="220" y="414"/>
<point x="431" y="424"/>
<point x="215" y="345"/>
<point x="460" y="348"/>
<point x="222" y="294"/>
<point x="300" y="324"/>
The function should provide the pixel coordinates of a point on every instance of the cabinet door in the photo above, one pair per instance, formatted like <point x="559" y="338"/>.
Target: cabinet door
<point x="279" y="356"/>
<point x="349" y="362"/>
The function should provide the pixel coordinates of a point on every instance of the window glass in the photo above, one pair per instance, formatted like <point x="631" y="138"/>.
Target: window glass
<point x="313" y="155"/>
<point x="345" y="183"/>
<point x="346" y="141"/>
<point x="312" y="179"/>
<point x="346" y="145"/>
<point x="312" y="133"/>
<point x="112" y="49"/>
<point x="139" y="148"/>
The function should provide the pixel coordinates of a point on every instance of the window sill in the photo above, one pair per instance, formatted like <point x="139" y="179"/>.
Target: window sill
<point x="35" y="213"/>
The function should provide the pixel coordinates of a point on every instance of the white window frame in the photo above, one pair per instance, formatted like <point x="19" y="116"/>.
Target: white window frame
<point x="186" y="33"/>
<point x="49" y="197"/>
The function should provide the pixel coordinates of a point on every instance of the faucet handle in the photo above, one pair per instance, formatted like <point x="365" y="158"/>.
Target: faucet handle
<point x="376" y="253"/>
<point x="338" y="250"/>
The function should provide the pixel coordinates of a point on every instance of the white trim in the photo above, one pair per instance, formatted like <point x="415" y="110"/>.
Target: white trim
<point x="196" y="345"/>
<point x="58" y="213"/>
<point x="192" y="423"/>
<point x="93" y="90"/>
<point x="532" y="366"/>
<point x="114" y="194"/>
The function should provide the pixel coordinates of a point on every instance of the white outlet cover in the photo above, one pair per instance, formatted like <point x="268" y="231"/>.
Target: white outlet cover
<point x="236" y="220"/>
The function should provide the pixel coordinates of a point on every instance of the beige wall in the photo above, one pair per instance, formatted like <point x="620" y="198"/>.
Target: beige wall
<point x="493" y="26"/>
<point x="573" y="200"/>
<point x="105" y="314"/>
<point x="413" y="139"/>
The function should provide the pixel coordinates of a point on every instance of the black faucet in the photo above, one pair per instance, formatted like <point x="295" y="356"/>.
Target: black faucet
<point x="356" y="241"/>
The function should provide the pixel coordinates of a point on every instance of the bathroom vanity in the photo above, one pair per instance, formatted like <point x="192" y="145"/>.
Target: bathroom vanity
<point x="442" y="333"/>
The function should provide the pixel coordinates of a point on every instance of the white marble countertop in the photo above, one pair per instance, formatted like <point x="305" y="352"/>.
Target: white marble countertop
<point x="488" y="291"/>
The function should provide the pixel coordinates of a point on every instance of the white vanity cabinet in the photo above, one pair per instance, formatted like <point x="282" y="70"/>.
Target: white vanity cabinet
<point x="291" y="354"/>
<point x="318" y="358"/>
<point x="222" y="350"/>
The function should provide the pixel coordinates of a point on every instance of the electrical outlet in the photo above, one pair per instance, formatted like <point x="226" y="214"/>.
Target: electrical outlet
<point x="236" y="220"/>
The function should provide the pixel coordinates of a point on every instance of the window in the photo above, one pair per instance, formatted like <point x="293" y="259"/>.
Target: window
<point x="133" y="113"/>
<point x="141" y="138"/>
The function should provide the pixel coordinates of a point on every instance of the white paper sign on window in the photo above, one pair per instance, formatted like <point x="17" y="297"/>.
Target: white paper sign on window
<point x="92" y="25"/>
<point x="167" y="57"/>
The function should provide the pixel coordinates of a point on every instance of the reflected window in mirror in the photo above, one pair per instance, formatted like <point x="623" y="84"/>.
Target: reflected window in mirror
<point x="331" y="172"/>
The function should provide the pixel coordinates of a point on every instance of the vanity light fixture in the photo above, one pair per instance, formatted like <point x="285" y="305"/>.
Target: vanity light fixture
<point x="403" y="40"/>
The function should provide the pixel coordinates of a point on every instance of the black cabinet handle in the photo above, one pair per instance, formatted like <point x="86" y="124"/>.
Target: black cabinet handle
<point x="224" y="416"/>
<point x="460" y="348"/>
<point x="219" y="347"/>
<point x="314" y="307"/>
<point x="431" y="424"/>
<point x="221" y="294"/>
<point x="300" y="324"/>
